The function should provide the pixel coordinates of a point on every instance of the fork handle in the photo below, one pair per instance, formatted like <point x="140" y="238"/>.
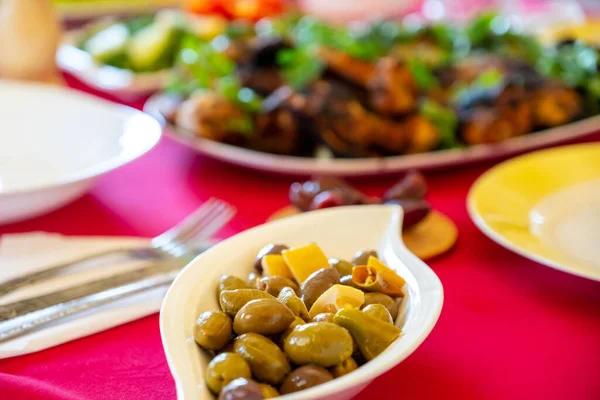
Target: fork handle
<point x="35" y="277"/>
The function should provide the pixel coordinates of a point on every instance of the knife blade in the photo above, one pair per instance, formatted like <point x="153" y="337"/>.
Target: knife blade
<point x="24" y="324"/>
<point x="26" y="306"/>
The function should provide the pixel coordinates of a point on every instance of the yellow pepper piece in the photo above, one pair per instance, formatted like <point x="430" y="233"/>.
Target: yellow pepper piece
<point x="305" y="260"/>
<point x="377" y="277"/>
<point x="275" y="265"/>
<point x="336" y="298"/>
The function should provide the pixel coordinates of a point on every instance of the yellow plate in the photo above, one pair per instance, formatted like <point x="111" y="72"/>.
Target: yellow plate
<point x="501" y="200"/>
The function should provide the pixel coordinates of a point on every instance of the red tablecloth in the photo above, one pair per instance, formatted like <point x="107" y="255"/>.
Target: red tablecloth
<point x="509" y="329"/>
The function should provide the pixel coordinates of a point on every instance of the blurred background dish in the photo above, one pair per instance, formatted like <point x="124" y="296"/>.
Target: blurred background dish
<point x="304" y="166"/>
<point x="379" y="96"/>
<point x="54" y="142"/>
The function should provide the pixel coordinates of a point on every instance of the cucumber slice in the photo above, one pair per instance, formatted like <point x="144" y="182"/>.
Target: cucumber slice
<point x="150" y="48"/>
<point x="108" y="44"/>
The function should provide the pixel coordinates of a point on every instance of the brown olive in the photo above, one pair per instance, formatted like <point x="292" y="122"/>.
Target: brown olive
<point x="305" y="377"/>
<point x="268" y="391"/>
<point x="347" y="280"/>
<point x="345" y="367"/>
<point x="224" y="368"/>
<point x="383" y="299"/>
<point x="302" y="194"/>
<point x="265" y="316"/>
<point x="411" y="186"/>
<point x="212" y="330"/>
<point x="274" y="284"/>
<point x="268" y="249"/>
<point x="267" y="362"/>
<point x="361" y="257"/>
<point x="252" y="281"/>
<point x="241" y="389"/>
<point x="230" y="282"/>
<point x="343" y="267"/>
<point x="317" y="283"/>
<point x="414" y="211"/>
<point x="378" y="311"/>
<point x="323" y="317"/>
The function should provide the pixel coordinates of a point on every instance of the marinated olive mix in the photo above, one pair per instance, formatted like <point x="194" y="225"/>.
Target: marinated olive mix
<point x="299" y="320"/>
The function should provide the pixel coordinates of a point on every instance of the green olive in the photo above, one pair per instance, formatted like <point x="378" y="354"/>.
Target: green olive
<point x="361" y="257"/>
<point x="267" y="362"/>
<point x="383" y="299"/>
<point x="265" y="316"/>
<point x="371" y="334"/>
<point x="212" y="330"/>
<point x="288" y="297"/>
<point x="252" y="281"/>
<point x="268" y="391"/>
<point x="274" y="284"/>
<point x="272" y="248"/>
<point x="378" y="311"/>
<point x="228" y="348"/>
<point x="230" y="282"/>
<point x="224" y="368"/>
<point x="305" y="377"/>
<point x="345" y="367"/>
<point x="241" y="388"/>
<point x="321" y="343"/>
<point x="232" y="301"/>
<point x="343" y="267"/>
<point x="297" y="321"/>
<point x="323" y="317"/>
<point x="317" y="283"/>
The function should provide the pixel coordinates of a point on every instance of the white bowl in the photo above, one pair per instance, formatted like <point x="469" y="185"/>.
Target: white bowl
<point x="55" y="141"/>
<point x="340" y="232"/>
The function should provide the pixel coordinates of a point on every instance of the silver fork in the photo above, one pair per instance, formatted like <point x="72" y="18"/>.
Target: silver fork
<point x="192" y="232"/>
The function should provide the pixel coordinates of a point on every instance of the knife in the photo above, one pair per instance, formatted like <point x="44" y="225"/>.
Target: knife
<point x="22" y="307"/>
<point x="92" y="295"/>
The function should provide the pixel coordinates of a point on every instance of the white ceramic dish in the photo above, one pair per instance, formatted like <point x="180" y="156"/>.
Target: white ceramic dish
<point x="340" y="232"/>
<point x="55" y="141"/>
<point x="121" y="83"/>
<point x="369" y="166"/>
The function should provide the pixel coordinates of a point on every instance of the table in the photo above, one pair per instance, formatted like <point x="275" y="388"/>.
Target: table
<point x="509" y="329"/>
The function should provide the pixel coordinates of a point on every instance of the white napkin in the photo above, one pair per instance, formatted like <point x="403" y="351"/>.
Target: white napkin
<point x="24" y="253"/>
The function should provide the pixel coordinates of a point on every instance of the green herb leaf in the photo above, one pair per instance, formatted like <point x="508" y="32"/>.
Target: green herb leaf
<point x="445" y="120"/>
<point x="299" y="66"/>
<point x="243" y="125"/>
<point x="239" y="28"/>
<point x="489" y="78"/>
<point x="423" y="75"/>
<point x="481" y="28"/>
